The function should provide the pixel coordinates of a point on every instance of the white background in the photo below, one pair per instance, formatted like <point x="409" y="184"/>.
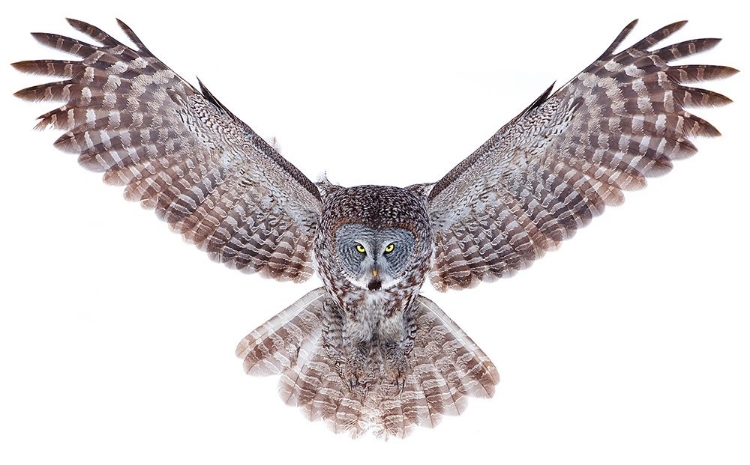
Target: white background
<point x="629" y="345"/>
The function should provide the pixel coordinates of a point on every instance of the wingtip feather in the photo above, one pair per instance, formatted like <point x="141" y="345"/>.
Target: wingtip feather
<point x="22" y="66"/>
<point x="618" y="40"/>
<point x="727" y="72"/>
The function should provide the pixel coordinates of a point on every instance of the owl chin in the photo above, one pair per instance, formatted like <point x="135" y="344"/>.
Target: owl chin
<point x="370" y="283"/>
<point x="378" y="284"/>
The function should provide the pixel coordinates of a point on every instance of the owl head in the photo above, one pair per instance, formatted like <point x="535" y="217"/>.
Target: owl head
<point x="377" y="234"/>
<point x="374" y="258"/>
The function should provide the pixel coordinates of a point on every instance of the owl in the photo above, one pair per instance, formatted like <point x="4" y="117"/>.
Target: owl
<point x="365" y="352"/>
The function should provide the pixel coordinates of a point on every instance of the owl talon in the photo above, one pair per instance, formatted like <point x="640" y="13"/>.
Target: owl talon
<point x="396" y="367"/>
<point x="355" y="372"/>
<point x="352" y="379"/>
<point x="400" y="384"/>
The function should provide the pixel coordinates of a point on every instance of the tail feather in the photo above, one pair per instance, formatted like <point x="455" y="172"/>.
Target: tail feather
<point x="445" y="368"/>
<point x="273" y="347"/>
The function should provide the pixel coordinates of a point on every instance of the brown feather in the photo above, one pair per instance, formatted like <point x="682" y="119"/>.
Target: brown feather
<point x="619" y="121"/>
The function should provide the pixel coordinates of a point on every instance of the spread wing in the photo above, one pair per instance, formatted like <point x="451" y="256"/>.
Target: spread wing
<point x="178" y="150"/>
<point x="555" y="166"/>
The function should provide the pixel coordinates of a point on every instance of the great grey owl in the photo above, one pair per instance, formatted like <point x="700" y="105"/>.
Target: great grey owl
<point x="366" y="352"/>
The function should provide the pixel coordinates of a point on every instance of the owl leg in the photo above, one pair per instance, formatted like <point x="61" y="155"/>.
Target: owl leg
<point x="396" y="349"/>
<point x="356" y="365"/>
<point x="395" y="365"/>
<point x="352" y="355"/>
<point x="359" y="369"/>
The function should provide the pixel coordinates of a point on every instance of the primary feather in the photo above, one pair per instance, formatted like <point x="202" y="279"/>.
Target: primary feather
<point x="555" y="166"/>
<point x="179" y="151"/>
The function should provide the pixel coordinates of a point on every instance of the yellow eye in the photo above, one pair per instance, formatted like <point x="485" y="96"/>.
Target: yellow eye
<point x="389" y="248"/>
<point x="360" y="248"/>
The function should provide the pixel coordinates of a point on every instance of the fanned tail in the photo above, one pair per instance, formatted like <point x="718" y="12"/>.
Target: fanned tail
<point x="445" y="368"/>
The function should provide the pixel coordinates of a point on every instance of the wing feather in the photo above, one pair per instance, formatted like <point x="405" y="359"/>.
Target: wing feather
<point x="178" y="150"/>
<point x="555" y="167"/>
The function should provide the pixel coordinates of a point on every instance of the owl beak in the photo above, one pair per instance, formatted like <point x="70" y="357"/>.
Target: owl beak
<point x="374" y="273"/>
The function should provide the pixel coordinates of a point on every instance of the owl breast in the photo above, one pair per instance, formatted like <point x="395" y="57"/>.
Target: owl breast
<point x="375" y="317"/>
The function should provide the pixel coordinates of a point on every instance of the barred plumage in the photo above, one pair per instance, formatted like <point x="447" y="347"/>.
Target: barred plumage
<point x="179" y="151"/>
<point x="560" y="162"/>
<point x="446" y="367"/>
<point x="367" y="352"/>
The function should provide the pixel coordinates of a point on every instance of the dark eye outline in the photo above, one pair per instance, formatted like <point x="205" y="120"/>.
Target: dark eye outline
<point x="360" y="248"/>
<point x="389" y="248"/>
